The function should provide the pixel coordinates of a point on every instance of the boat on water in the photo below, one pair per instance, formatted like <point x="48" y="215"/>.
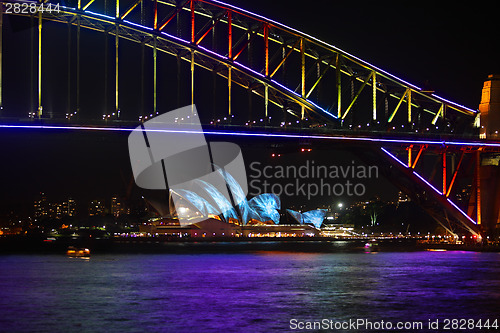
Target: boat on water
<point x="371" y="246"/>
<point x="78" y="252"/>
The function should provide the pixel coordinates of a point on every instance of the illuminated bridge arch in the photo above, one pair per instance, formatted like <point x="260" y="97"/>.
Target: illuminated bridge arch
<point x="282" y="65"/>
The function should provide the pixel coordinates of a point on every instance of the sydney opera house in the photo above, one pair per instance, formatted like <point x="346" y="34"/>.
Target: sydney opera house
<point x="206" y="211"/>
<point x="206" y="185"/>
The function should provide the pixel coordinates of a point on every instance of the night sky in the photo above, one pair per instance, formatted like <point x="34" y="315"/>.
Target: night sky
<point x="443" y="46"/>
<point x="449" y="49"/>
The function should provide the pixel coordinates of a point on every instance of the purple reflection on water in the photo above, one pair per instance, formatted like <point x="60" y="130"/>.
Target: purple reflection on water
<point x="242" y="292"/>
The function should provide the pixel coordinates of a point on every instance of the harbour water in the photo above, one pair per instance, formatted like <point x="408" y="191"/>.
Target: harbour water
<point x="260" y="291"/>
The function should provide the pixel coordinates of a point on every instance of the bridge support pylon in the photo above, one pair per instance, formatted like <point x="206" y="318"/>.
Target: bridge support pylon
<point x="488" y="198"/>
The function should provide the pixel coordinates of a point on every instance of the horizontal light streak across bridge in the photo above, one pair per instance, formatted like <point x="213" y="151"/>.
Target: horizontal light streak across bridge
<point x="475" y="144"/>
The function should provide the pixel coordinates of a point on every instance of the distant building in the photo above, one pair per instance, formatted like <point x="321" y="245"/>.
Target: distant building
<point x="71" y="207"/>
<point x="96" y="208"/>
<point x="66" y="208"/>
<point x="490" y="109"/>
<point x="41" y="206"/>
<point x="59" y="209"/>
<point x="45" y="209"/>
<point x="118" y="207"/>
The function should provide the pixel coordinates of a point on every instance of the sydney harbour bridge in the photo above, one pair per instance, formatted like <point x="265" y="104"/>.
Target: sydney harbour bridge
<point x="258" y="81"/>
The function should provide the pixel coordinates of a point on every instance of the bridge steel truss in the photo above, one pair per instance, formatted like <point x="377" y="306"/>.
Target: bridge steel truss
<point x="445" y="178"/>
<point x="280" y="64"/>
<point x="455" y="174"/>
<point x="288" y="69"/>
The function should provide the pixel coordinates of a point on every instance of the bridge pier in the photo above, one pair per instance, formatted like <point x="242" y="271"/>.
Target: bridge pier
<point x="489" y="163"/>
<point x="490" y="108"/>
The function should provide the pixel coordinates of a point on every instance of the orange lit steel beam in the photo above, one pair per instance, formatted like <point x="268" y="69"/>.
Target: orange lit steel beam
<point x="455" y="174"/>
<point x="78" y="34"/>
<point x="131" y="8"/>
<point x="230" y="54"/>
<point x="284" y="58"/>
<point x="473" y="197"/>
<point x="191" y="6"/>
<point x="39" y="64"/>
<point x="409" y="156"/>
<point x="408" y="101"/>
<point x="422" y="148"/>
<point x="212" y="25"/>
<point x="244" y="46"/>
<point x="444" y="172"/>
<point x="230" y="34"/>
<point x="155" y="23"/>
<point x="117" y="39"/>
<point x="266" y="68"/>
<point x="338" y="82"/>
<point x="266" y="48"/>
<point x="155" y="52"/>
<point x="303" y="76"/>
<point x="174" y="14"/>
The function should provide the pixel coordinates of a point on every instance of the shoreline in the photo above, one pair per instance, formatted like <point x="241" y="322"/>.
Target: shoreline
<point x="40" y="245"/>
